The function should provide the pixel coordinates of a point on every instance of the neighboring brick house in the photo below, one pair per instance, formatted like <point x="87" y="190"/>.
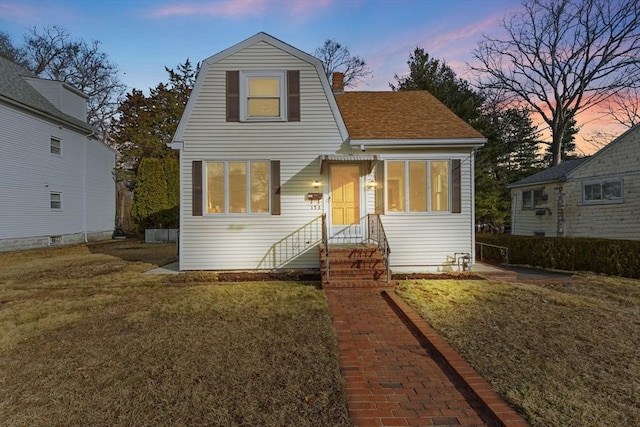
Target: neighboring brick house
<point x="597" y="196"/>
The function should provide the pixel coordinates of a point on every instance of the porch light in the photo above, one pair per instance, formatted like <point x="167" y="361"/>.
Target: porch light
<point x="316" y="184"/>
<point x="371" y="184"/>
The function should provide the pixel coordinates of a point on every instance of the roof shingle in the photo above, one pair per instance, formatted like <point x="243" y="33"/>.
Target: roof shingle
<point x="414" y="114"/>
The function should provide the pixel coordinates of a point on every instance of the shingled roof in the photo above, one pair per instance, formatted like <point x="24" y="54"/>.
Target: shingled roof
<point x="555" y="173"/>
<point x="15" y="90"/>
<point x="414" y="114"/>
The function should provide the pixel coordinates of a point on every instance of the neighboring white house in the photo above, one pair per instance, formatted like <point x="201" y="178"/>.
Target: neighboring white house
<point x="597" y="196"/>
<point x="56" y="178"/>
<point x="267" y="147"/>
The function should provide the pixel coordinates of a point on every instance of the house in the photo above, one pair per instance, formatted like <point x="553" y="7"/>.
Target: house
<point x="275" y="164"/>
<point x="56" y="177"/>
<point x="597" y="196"/>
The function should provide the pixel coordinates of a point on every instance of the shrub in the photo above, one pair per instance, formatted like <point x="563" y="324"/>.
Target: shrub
<point x="613" y="257"/>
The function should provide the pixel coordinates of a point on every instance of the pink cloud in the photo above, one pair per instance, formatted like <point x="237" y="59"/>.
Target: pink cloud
<point x="240" y="8"/>
<point x="17" y="11"/>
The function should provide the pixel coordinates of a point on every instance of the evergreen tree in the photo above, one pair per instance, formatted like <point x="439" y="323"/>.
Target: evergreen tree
<point x="150" y="196"/>
<point x="172" y="178"/>
<point x="510" y="151"/>
<point x="146" y="124"/>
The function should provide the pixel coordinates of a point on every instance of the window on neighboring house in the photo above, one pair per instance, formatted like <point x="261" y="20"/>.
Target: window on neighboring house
<point x="418" y="186"/>
<point x="262" y="96"/>
<point x="532" y="198"/>
<point x="602" y="192"/>
<point x="55" y="200"/>
<point x="55" y="146"/>
<point x="237" y="187"/>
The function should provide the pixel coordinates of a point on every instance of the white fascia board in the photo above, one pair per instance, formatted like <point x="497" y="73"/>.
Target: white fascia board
<point x="419" y="143"/>
<point x="176" y="145"/>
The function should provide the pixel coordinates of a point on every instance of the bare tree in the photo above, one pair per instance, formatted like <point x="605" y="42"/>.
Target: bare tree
<point x="336" y="57"/>
<point x="560" y="57"/>
<point x="10" y="52"/>
<point x="51" y="53"/>
<point x="624" y="107"/>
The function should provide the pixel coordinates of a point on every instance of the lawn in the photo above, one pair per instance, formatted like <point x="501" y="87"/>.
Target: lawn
<point x="563" y="355"/>
<point x="87" y="339"/>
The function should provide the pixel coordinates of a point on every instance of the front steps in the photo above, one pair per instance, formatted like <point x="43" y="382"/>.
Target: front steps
<point x="353" y="265"/>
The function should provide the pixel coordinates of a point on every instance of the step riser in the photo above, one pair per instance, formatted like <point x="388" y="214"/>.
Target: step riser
<point x="353" y="267"/>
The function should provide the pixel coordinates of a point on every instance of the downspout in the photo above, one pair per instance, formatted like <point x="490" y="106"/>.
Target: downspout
<point x="514" y="204"/>
<point x="84" y="189"/>
<point x="473" y="207"/>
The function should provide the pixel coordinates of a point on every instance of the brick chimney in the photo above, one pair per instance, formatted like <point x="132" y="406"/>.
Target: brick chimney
<point x="337" y="85"/>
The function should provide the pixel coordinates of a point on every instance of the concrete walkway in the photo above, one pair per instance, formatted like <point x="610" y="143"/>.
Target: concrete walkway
<point x="396" y="376"/>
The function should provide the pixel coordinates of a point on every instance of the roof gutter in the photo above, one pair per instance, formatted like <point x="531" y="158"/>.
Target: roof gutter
<point x="362" y="144"/>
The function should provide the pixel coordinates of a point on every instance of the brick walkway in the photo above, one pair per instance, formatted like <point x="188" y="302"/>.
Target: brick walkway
<point x="391" y="378"/>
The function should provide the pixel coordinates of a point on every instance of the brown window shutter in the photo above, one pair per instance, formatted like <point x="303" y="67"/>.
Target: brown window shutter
<point x="379" y="171"/>
<point x="196" y="188"/>
<point x="293" y="95"/>
<point x="233" y="96"/>
<point x="456" y="184"/>
<point x="275" y="187"/>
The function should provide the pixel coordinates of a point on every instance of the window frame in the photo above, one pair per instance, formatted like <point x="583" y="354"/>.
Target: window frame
<point x="535" y="198"/>
<point x="601" y="183"/>
<point x="58" y="202"/>
<point x="245" y="76"/>
<point x="428" y="186"/>
<point x="248" y="186"/>
<point x="52" y="146"/>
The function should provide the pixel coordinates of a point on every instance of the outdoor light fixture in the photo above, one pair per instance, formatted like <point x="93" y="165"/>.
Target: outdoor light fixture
<point x="316" y="184"/>
<point x="371" y="184"/>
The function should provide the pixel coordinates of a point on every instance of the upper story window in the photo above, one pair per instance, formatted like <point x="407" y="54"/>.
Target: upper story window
<point x="602" y="192"/>
<point x="55" y="201"/>
<point x="532" y="198"/>
<point x="262" y="96"/>
<point x="418" y="186"/>
<point x="255" y="96"/>
<point x="55" y="146"/>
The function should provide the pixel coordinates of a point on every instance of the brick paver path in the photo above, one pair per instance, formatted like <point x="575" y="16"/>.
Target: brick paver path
<point x="391" y="378"/>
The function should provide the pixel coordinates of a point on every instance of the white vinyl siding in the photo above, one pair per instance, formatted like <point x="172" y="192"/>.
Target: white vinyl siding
<point x="422" y="242"/>
<point x="228" y="242"/>
<point x="617" y="162"/>
<point x="29" y="173"/>
<point x="242" y="241"/>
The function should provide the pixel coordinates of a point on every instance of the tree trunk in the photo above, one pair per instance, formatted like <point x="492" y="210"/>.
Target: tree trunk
<point x="556" y="143"/>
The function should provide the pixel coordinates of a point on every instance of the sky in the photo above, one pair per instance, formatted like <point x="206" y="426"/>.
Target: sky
<point x="143" y="36"/>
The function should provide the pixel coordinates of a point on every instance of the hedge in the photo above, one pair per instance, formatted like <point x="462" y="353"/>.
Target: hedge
<point x="612" y="257"/>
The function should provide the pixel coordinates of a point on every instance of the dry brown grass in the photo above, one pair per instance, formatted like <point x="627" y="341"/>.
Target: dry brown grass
<point x="86" y="339"/>
<point x="564" y="355"/>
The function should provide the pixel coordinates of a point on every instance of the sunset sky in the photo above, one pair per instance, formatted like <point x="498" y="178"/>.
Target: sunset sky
<point x="143" y="36"/>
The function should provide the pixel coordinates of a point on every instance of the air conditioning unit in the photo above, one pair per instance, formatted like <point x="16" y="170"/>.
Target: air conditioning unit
<point x="541" y="212"/>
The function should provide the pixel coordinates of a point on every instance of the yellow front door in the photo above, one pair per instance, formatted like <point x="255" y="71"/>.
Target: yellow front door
<point x="345" y="199"/>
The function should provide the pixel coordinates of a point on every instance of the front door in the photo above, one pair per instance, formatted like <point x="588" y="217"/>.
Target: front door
<point x="345" y="202"/>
